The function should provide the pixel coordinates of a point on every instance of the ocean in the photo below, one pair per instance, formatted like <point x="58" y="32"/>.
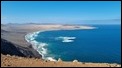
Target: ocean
<point x="100" y="45"/>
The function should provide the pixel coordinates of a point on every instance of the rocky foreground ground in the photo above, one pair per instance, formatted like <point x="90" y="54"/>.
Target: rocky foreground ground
<point x="15" y="61"/>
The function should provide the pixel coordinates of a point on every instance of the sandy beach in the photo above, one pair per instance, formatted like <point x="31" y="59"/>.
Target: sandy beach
<point x="16" y="35"/>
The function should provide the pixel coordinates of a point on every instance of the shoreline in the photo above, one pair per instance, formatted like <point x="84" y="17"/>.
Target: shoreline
<point x="16" y="34"/>
<point x="33" y="43"/>
<point x="50" y="58"/>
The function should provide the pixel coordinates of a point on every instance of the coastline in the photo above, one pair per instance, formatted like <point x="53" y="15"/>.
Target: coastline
<point x="28" y="30"/>
<point x="16" y="35"/>
<point x="31" y="36"/>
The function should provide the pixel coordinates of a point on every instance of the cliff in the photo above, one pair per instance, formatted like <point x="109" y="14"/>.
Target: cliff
<point x="13" y="49"/>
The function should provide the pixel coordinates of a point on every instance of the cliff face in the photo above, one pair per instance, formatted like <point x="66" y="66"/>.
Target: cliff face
<point x="12" y="49"/>
<point x="9" y="48"/>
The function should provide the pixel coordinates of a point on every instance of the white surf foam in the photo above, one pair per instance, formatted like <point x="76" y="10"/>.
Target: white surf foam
<point x="39" y="46"/>
<point x="51" y="59"/>
<point x="66" y="39"/>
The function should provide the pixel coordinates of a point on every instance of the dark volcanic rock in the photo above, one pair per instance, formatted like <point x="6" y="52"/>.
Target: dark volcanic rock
<point x="13" y="49"/>
<point x="9" y="48"/>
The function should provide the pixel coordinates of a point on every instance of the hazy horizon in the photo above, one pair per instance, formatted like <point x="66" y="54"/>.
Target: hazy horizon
<point x="61" y="12"/>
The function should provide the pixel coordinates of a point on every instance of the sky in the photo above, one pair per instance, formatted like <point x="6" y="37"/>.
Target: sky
<point x="59" y="11"/>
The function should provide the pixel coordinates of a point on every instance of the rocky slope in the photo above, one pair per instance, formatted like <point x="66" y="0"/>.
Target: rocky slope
<point x="13" y="49"/>
<point x="15" y="61"/>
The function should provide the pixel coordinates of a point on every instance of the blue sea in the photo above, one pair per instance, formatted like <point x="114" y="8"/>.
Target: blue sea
<point x="100" y="45"/>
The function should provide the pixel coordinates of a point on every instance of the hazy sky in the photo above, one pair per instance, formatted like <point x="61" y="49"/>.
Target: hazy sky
<point x="58" y="12"/>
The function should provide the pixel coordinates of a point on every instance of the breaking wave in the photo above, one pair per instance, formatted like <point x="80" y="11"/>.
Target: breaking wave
<point x="66" y="39"/>
<point x="39" y="46"/>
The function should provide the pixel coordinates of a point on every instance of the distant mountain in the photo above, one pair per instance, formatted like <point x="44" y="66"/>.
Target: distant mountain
<point x="43" y="23"/>
<point x="3" y="31"/>
<point x="2" y="25"/>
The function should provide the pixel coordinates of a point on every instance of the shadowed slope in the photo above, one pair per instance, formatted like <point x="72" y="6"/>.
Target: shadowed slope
<point x="9" y="48"/>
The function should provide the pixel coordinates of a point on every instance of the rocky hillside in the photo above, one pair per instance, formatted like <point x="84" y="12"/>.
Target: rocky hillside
<point x="13" y="49"/>
<point x="9" y="48"/>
